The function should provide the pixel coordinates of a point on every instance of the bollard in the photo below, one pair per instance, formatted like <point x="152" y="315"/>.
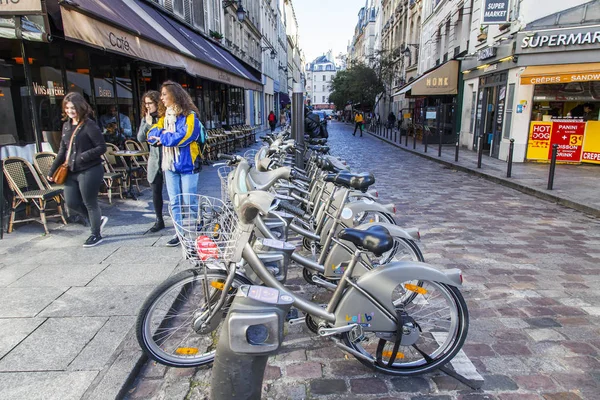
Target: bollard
<point x="457" y="147"/>
<point x="1" y="203"/>
<point x="425" y="137"/>
<point x="405" y="138"/>
<point x="414" y="138"/>
<point x="479" y="151"/>
<point x="440" y="133"/>
<point x="552" y="166"/>
<point x="511" y="149"/>
<point x="252" y="331"/>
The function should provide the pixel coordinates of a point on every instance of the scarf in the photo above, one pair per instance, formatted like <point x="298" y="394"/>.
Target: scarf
<point x="170" y="155"/>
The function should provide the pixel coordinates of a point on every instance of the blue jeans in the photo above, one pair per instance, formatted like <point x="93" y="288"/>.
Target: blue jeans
<point x="182" y="184"/>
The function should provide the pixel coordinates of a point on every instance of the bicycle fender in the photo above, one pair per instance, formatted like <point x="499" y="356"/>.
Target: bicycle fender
<point x="355" y="307"/>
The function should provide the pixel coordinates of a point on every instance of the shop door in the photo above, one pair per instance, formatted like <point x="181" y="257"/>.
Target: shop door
<point x="492" y="130"/>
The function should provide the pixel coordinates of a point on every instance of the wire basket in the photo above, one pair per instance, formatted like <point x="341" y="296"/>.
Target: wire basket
<point x="207" y="228"/>
<point x="224" y="172"/>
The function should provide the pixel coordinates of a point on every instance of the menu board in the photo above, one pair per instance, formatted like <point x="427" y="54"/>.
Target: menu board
<point x="568" y="135"/>
<point x="539" y="140"/>
<point x="591" y="143"/>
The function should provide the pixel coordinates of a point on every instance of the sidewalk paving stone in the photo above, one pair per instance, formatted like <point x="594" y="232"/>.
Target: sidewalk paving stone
<point x="53" y="346"/>
<point x="49" y="385"/>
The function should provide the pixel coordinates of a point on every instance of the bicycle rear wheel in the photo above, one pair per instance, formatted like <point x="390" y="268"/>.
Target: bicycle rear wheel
<point x="165" y="324"/>
<point x="439" y="330"/>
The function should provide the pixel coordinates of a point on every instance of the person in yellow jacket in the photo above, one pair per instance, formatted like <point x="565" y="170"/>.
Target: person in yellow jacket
<point x="358" y="121"/>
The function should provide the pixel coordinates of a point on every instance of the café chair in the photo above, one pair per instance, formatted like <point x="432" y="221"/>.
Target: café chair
<point x="28" y="189"/>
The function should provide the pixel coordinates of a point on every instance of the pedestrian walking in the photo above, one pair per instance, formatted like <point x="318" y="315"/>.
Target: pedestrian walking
<point x="358" y="121"/>
<point x="282" y="118"/>
<point x="272" y="121"/>
<point x="178" y="131"/>
<point x="391" y="120"/>
<point x="152" y="107"/>
<point x="82" y="146"/>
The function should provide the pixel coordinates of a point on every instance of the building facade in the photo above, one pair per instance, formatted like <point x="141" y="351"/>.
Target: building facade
<point x="534" y="79"/>
<point x="112" y="55"/>
<point x="319" y="74"/>
<point x="362" y="46"/>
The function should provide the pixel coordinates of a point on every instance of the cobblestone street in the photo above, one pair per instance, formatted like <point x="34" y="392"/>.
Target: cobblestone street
<point x="531" y="284"/>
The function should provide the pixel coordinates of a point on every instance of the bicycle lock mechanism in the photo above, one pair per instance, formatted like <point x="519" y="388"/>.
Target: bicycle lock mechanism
<point x="252" y="331"/>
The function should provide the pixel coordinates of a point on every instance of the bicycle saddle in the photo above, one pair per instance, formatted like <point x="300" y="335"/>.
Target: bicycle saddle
<point x="319" y="149"/>
<point x="326" y="165"/>
<point x="375" y="239"/>
<point x="316" y="141"/>
<point x="355" y="181"/>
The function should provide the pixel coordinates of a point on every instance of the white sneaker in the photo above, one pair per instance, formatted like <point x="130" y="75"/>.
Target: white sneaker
<point x="103" y="221"/>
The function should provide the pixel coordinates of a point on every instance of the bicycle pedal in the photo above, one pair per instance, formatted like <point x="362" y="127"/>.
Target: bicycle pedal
<point x="292" y="315"/>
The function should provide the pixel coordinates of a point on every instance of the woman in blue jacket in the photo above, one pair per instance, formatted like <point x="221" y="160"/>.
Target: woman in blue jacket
<point x="178" y="131"/>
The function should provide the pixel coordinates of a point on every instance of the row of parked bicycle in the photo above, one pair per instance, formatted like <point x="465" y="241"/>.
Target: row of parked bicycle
<point x="387" y="308"/>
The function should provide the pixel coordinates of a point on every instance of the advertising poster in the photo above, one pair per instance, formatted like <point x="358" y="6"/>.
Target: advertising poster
<point x="591" y="143"/>
<point x="568" y="135"/>
<point x="539" y="140"/>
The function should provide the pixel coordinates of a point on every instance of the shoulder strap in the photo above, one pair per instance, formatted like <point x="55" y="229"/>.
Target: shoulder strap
<point x="66" y="163"/>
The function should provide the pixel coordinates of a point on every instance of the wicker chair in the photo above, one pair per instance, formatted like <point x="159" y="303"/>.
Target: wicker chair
<point x="141" y="161"/>
<point x="118" y="164"/>
<point x="28" y="189"/>
<point x="112" y="180"/>
<point x="42" y="162"/>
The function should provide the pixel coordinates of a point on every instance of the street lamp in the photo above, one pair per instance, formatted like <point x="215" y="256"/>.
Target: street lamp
<point x="240" y="12"/>
<point x="273" y="52"/>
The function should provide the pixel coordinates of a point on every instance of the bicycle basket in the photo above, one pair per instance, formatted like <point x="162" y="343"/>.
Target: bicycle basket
<point x="224" y="172"/>
<point x="207" y="228"/>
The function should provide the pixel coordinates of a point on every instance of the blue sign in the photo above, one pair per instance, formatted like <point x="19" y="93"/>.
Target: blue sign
<point x="519" y="108"/>
<point x="494" y="12"/>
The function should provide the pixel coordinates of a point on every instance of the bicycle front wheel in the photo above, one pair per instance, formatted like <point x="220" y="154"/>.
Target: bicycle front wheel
<point x="165" y="324"/>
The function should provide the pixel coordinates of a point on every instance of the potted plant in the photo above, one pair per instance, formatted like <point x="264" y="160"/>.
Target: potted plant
<point x="216" y="35"/>
<point x="482" y="34"/>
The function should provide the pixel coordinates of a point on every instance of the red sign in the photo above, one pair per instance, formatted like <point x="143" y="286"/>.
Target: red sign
<point x="568" y="135"/>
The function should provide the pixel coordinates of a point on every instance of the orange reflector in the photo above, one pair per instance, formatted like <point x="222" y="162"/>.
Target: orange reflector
<point x="217" y="285"/>
<point x="371" y="220"/>
<point x="388" y="354"/>
<point x="217" y="226"/>
<point x="415" y="288"/>
<point x="187" y="351"/>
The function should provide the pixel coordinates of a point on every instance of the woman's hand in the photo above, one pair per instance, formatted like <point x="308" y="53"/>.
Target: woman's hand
<point x="148" y="117"/>
<point x="154" y="140"/>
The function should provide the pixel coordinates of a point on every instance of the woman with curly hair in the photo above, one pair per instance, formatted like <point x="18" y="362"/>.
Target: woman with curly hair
<point x="82" y="145"/>
<point x="178" y="131"/>
<point x="152" y="107"/>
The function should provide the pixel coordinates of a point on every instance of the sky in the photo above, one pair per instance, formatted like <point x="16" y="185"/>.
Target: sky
<point x="326" y="24"/>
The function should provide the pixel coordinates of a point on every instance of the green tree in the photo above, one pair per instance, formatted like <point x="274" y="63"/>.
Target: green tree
<point x="359" y="84"/>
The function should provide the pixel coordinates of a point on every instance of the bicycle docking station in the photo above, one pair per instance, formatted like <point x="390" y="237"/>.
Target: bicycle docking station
<point x="252" y="331"/>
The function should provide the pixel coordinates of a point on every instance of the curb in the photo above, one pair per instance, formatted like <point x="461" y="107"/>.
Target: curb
<point x="505" y="182"/>
<point x="115" y="380"/>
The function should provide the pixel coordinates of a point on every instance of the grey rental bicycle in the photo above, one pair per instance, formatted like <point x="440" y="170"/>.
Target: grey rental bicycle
<point x="381" y="317"/>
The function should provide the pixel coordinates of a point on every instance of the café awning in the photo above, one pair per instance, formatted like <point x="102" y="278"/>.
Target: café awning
<point x="405" y="90"/>
<point x="128" y="27"/>
<point x="438" y="82"/>
<point x="565" y="73"/>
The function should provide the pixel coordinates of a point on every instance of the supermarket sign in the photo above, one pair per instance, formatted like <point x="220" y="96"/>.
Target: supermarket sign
<point x="495" y="12"/>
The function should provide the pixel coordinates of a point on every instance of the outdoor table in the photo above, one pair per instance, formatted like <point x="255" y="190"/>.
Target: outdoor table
<point x="129" y="154"/>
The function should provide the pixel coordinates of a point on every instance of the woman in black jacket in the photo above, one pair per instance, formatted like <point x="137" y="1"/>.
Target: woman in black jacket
<point x="85" y="163"/>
